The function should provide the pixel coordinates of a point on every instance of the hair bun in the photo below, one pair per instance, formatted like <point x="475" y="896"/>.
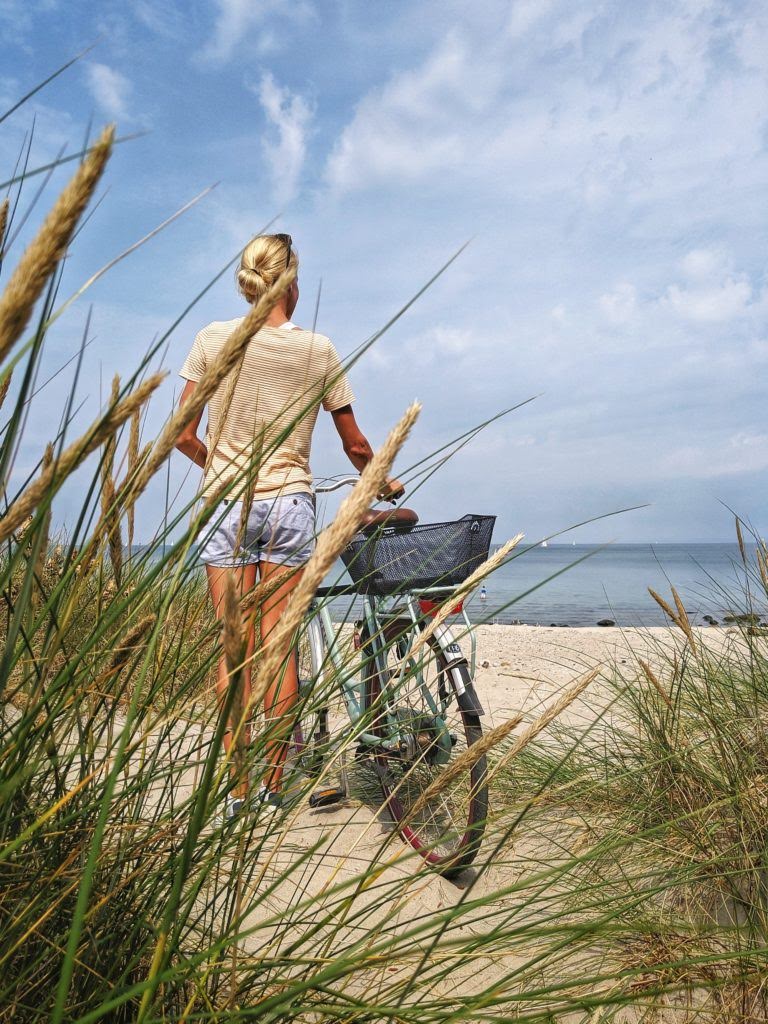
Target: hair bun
<point x="262" y="262"/>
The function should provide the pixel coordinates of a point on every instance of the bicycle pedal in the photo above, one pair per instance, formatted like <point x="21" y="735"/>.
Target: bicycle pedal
<point x="326" y="797"/>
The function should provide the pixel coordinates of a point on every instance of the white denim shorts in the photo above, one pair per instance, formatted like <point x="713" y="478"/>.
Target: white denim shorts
<point x="279" y="530"/>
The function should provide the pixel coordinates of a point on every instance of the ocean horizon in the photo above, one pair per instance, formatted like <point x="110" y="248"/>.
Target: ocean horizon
<point x="583" y="584"/>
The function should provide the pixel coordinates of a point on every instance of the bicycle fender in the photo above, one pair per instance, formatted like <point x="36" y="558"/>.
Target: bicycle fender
<point x="463" y="687"/>
<point x="469" y="701"/>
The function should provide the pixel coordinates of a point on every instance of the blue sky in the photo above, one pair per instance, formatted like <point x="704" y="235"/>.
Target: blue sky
<point x="608" y="161"/>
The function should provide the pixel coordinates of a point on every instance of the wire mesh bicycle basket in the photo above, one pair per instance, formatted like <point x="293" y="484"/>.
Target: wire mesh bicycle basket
<point x="418" y="557"/>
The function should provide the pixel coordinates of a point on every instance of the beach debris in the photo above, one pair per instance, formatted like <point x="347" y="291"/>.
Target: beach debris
<point x="485" y="664"/>
<point x="606" y="622"/>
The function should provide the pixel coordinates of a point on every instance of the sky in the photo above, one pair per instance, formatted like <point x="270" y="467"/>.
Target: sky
<point x="606" y="162"/>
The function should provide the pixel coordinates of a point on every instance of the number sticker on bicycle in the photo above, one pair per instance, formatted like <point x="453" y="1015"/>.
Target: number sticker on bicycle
<point x="453" y="649"/>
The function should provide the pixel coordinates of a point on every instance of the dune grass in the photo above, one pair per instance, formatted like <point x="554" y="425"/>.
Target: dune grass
<point x="669" y="790"/>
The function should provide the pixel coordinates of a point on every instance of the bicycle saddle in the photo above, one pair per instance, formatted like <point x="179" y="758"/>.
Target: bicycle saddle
<point x="374" y="518"/>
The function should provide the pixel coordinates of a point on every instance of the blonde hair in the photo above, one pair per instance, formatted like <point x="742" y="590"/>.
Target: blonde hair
<point x="263" y="261"/>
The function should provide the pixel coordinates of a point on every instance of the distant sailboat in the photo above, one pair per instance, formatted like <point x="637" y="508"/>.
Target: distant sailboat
<point x="544" y="544"/>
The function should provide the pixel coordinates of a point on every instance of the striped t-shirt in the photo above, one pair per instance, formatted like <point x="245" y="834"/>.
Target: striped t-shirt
<point x="285" y="377"/>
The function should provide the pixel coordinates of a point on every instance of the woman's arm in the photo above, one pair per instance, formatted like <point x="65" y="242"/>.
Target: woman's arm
<point x="358" y="451"/>
<point x="188" y="441"/>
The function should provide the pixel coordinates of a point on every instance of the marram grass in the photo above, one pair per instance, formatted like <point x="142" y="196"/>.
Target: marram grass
<point x="124" y="896"/>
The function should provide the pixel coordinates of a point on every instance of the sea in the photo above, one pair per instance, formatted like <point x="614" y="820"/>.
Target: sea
<point x="582" y="585"/>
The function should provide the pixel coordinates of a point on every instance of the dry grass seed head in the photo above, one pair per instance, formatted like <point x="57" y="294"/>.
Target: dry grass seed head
<point x="464" y="763"/>
<point x="42" y="553"/>
<point x="4" y="386"/>
<point x="683" y="621"/>
<point x="131" y="642"/>
<point x="550" y="713"/>
<point x="740" y="539"/>
<point x="4" y="207"/>
<point x="75" y="454"/>
<point x="109" y="512"/>
<point x="653" y="679"/>
<point x="133" y="462"/>
<point x="41" y="257"/>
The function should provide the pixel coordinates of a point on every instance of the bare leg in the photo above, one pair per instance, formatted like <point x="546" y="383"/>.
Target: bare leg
<point x="245" y="580"/>
<point x="281" y="696"/>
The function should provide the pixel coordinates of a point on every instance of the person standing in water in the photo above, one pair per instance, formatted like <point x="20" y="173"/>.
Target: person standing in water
<point x="287" y="374"/>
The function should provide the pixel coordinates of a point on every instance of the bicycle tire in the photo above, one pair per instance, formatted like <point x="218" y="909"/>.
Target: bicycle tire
<point x="448" y="856"/>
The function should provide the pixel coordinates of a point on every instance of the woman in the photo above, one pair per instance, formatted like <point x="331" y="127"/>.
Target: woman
<point x="262" y="442"/>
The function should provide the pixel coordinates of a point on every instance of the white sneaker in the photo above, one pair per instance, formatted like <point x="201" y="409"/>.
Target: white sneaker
<point x="233" y="808"/>
<point x="266" y="799"/>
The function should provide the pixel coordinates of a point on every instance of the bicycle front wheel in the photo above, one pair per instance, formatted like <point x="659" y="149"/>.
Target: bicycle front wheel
<point x="441" y="814"/>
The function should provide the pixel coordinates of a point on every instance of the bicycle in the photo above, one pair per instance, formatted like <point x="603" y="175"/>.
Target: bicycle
<point x="412" y="706"/>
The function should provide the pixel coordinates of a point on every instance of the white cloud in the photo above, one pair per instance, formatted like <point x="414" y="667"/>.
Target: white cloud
<point x="639" y="107"/>
<point x="713" y="293"/>
<point x="110" y="89"/>
<point x="619" y="306"/>
<point x="415" y="126"/>
<point x="166" y="20"/>
<point x="236" y="19"/>
<point x="559" y="315"/>
<point x="290" y="116"/>
<point x="525" y="14"/>
<point x="742" y="452"/>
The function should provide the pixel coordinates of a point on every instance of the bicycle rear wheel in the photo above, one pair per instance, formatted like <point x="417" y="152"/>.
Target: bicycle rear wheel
<point x="443" y="822"/>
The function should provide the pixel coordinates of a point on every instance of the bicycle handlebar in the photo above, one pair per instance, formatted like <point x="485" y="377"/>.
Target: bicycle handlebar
<point x="333" y="483"/>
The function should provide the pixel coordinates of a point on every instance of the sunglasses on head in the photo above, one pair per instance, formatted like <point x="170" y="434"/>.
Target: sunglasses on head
<point x="288" y="242"/>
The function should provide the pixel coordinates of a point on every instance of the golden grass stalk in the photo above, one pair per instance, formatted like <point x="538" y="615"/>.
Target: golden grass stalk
<point x="75" y="454"/>
<point x="469" y="584"/>
<point x="4" y="207"/>
<point x="679" y="617"/>
<point x="112" y="528"/>
<point x="4" y="388"/>
<point x="42" y="255"/>
<point x="110" y="446"/>
<point x="550" y="713"/>
<point x="42" y="552"/>
<point x="740" y="539"/>
<point x="464" y="763"/>
<point x="133" y="462"/>
<point x="131" y="642"/>
<point x="653" y="679"/>
<point x="109" y="510"/>
<point x="228" y="359"/>
<point x="330" y="544"/>
<point x="762" y="563"/>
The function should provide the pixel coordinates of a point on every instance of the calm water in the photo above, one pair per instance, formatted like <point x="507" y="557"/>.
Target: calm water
<point x="611" y="582"/>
